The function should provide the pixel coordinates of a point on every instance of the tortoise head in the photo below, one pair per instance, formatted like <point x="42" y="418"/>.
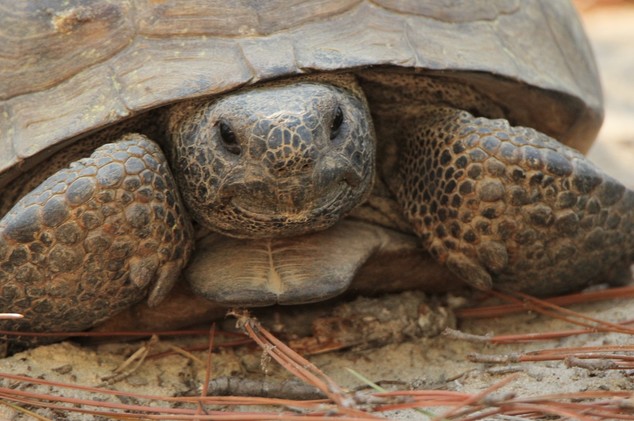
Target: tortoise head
<point x="277" y="160"/>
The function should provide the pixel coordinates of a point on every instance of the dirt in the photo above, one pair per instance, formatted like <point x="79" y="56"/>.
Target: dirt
<point x="412" y="358"/>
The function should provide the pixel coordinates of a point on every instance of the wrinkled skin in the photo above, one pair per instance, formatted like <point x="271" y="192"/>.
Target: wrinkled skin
<point x="273" y="170"/>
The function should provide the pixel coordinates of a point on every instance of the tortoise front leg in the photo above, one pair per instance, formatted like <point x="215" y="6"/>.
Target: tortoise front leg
<point x="93" y="239"/>
<point x="509" y="206"/>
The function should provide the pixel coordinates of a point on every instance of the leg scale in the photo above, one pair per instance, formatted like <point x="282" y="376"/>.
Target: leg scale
<point x="93" y="239"/>
<point x="512" y="207"/>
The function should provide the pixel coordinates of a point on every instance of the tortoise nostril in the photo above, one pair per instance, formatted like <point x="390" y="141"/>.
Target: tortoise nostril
<point x="229" y="138"/>
<point x="337" y="121"/>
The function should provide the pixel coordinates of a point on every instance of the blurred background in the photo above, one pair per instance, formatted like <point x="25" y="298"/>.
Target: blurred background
<point x="610" y="26"/>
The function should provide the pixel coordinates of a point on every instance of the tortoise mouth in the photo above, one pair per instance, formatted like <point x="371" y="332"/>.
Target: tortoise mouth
<point x="306" y="211"/>
<point x="240" y="217"/>
<point x="264" y="209"/>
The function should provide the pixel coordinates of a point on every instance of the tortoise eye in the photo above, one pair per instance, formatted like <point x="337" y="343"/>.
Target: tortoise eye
<point x="229" y="138"/>
<point x="336" y="123"/>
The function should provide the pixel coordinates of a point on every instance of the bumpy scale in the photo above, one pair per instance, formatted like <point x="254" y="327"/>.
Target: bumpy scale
<point x="93" y="238"/>
<point x="285" y="165"/>
<point x="511" y="207"/>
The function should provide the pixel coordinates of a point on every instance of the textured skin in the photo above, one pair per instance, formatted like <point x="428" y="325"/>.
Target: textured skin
<point x="93" y="239"/>
<point x="27" y="182"/>
<point x="510" y="206"/>
<point x="291" y="172"/>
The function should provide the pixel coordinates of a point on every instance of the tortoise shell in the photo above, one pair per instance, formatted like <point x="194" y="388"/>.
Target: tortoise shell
<point x="70" y="68"/>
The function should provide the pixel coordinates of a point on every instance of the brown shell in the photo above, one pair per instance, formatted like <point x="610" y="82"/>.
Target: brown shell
<point x="67" y="68"/>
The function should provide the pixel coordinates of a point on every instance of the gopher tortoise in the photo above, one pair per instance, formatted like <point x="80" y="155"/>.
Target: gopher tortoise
<point x="133" y="128"/>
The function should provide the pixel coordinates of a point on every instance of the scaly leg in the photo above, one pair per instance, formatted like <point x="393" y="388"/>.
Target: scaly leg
<point x="93" y="239"/>
<point x="512" y="207"/>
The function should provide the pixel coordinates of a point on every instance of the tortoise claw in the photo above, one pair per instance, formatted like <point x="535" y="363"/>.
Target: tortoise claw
<point x="167" y="276"/>
<point x="470" y="271"/>
<point x="143" y="270"/>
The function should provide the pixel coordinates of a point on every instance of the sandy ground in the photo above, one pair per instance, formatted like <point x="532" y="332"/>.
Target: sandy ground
<point x="420" y="362"/>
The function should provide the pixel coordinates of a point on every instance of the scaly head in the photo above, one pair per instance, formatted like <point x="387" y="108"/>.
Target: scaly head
<point x="281" y="159"/>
